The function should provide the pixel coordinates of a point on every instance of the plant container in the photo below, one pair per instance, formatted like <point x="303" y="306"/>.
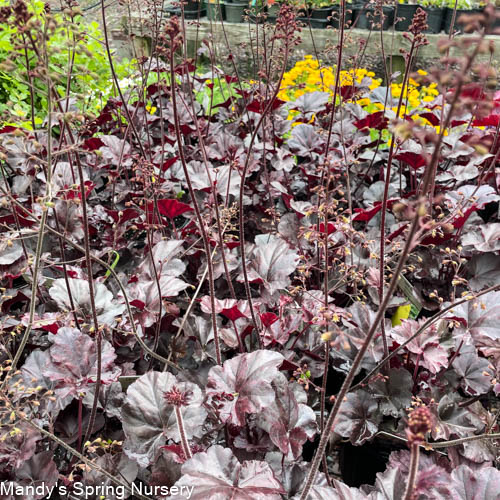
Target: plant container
<point x="322" y="12"/>
<point x="434" y="19"/>
<point x="369" y="19"/>
<point x="215" y="11"/>
<point x="194" y="10"/>
<point x="172" y="11"/>
<point x="313" y="23"/>
<point x="449" y="16"/>
<point x="273" y="10"/>
<point x="335" y="17"/>
<point x="235" y="12"/>
<point x="406" y="12"/>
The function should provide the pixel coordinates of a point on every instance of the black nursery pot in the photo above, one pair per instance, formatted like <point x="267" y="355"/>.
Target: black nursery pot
<point x="194" y="10"/>
<point x="235" y="12"/>
<point x="335" y="22"/>
<point x="322" y="12"/>
<point x="405" y="11"/>
<point x="367" y="18"/>
<point x="172" y="11"/>
<point x="434" y="20"/>
<point x="314" y="23"/>
<point x="273" y="10"/>
<point x="215" y="11"/>
<point x="449" y="16"/>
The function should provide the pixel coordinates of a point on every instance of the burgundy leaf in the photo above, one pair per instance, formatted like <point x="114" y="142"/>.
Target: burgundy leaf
<point x="368" y="214"/>
<point x="173" y="208"/>
<point x="374" y="120"/>
<point x="415" y="160"/>
<point x="258" y="106"/>
<point x="233" y="313"/>
<point x="268" y="319"/>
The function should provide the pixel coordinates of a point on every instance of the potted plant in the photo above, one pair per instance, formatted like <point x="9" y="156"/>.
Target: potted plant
<point x="368" y="16"/>
<point x="235" y="10"/>
<point x="405" y="10"/>
<point x="462" y="7"/>
<point x="435" y="13"/>
<point x="215" y="10"/>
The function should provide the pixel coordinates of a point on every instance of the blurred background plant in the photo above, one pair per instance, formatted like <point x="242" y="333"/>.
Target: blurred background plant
<point x="73" y="47"/>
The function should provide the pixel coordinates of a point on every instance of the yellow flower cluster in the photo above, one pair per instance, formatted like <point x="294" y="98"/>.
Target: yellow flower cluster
<point x="415" y="96"/>
<point x="309" y="75"/>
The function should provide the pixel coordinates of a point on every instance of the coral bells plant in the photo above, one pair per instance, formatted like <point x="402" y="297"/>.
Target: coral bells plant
<point x="237" y="288"/>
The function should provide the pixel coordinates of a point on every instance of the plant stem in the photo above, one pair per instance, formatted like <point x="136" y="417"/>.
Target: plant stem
<point x="357" y="361"/>
<point x="184" y="442"/>
<point x="422" y="329"/>
<point x="412" y="475"/>
<point x="201" y="222"/>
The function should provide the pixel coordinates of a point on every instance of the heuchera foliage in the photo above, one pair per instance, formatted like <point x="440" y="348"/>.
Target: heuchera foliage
<point x="288" y="322"/>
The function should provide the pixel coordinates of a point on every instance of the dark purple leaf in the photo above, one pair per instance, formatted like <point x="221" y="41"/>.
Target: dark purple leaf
<point x="394" y="393"/>
<point x="484" y="270"/>
<point x="17" y="443"/>
<point x="482" y="484"/>
<point x="107" y="308"/>
<point x="305" y="140"/>
<point x="217" y="474"/>
<point x="149" y="421"/>
<point x="426" y="347"/>
<point x="73" y="362"/>
<point x="358" y="418"/>
<point x="39" y="472"/>
<point x="474" y="371"/>
<point x="246" y="379"/>
<point x="118" y="465"/>
<point x="432" y="480"/>
<point x="482" y="317"/>
<point x="272" y="262"/>
<point x="288" y="423"/>
<point x="310" y="103"/>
